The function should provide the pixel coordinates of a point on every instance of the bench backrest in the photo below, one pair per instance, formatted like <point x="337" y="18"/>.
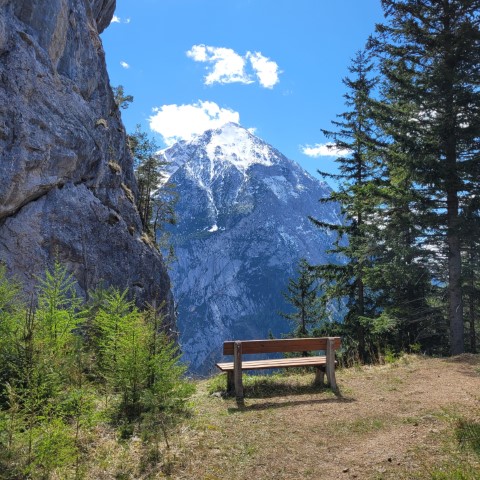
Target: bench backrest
<point x="285" y="345"/>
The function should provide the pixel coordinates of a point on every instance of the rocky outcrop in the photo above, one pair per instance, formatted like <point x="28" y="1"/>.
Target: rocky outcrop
<point x="66" y="181"/>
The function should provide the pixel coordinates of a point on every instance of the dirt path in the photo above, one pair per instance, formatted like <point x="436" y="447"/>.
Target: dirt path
<point x="392" y="421"/>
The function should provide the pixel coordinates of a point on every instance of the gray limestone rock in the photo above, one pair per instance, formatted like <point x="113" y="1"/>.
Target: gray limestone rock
<point x="66" y="177"/>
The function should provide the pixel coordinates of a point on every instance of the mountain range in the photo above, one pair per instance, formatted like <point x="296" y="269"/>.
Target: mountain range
<point x="242" y="227"/>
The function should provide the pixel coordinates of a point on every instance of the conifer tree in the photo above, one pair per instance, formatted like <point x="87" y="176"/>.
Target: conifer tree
<point x="12" y="310"/>
<point x="471" y="269"/>
<point x="122" y="100"/>
<point x="302" y="294"/>
<point x="157" y="196"/>
<point x="359" y="179"/>
<point x="147" y="172"/>
<point x="430" y="58"/>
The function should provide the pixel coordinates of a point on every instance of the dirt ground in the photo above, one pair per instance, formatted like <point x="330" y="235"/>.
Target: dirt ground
<point x="395" y="421"/>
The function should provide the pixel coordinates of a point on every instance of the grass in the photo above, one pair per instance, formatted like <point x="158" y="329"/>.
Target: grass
<point x="417" y="418"/>
<point x="403" y="420"/>
<point x="458" y="449"/>
<point x="468" y="435"/>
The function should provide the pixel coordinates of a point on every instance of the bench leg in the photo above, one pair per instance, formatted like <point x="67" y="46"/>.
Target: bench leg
<point x="319" y="375"/>
<point x="237" y="369"/>
<point x="230" y="386"/>
<point x="330" y="367"/>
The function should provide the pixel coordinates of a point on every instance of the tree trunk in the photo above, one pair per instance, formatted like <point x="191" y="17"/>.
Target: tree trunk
<point x="473" y="333"/>
<point x="455" y="304"/>
<point x="472" y="299"/>
<point x="362" y="349"/>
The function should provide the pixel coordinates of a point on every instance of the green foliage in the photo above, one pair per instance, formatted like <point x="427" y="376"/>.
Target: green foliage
<point x="67" y="366"/>
<point x="122" y="100"/>
<point x="157" y="196"/>
<point x="408" y="183"/>
<point x="302" y="295"/>
<point x="216" y="383"/>
<point x="56" y="315"/>
<point x="54" y="446"/>
<point x="361" y="179"/>
<point x="429" y="59"/>
<point x="11" y="316"/>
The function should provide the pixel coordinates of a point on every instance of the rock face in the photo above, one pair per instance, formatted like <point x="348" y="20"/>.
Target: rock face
<point x="243" y="225"/>
<point x="66" y="177"/>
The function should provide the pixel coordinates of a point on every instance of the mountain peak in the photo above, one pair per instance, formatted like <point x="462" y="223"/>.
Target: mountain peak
<point x="236" y="145"/>
<point x="229" y="145"/>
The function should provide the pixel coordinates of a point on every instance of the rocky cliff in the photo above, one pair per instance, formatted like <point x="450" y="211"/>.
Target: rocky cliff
<point x="66" y="178"/>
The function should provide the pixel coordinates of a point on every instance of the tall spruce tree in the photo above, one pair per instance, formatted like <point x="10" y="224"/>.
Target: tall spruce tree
<point x="359" y="179"/>
<point x="430" y="59"/>
<point x="471" y="268"/>
<point x="401" y="275"/>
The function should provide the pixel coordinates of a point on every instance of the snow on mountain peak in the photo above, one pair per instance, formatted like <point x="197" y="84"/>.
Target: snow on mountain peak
<point x="236" y="145"/>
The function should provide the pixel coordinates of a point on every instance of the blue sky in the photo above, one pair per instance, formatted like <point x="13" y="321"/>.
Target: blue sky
<point x="275" y="66"/>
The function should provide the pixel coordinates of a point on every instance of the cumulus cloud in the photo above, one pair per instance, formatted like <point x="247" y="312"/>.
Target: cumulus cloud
<point x="183" y="122"/>
<point x="124" y="64"/>
<point x="324" y="150"/>
<point x="227" y="66"/>
<point x="266" y="70"/>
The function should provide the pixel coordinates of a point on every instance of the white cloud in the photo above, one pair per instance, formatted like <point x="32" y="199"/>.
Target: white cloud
<point x="267" y="70"/>
<point x="227" y="66"/>
<point x="124" y="64"/>
<point x="183" y="122"/>
<point x="116" y="19"/>
<point x="198" y="53"/>
<point x="324" y="150"/>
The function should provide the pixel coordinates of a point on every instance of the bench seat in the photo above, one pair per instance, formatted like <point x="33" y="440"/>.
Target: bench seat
<point x="276" y="363"/>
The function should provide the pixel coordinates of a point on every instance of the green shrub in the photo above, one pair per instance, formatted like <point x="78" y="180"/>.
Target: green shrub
<point x="65" y="367"/>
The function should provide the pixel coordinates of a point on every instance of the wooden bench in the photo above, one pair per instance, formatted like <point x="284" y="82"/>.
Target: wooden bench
<point x="238" y="348"/>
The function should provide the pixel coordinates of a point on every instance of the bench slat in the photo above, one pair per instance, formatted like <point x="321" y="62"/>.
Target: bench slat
<point x="284" y="345"/>
<point x="276" y="363"/>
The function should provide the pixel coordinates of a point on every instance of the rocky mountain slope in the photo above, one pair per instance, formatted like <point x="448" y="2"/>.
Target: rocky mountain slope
<point x="243" y="226"/>
<point x="67" y="182"/>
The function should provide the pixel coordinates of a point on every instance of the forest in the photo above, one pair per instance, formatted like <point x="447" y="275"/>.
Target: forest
<point x="408" y="186"/>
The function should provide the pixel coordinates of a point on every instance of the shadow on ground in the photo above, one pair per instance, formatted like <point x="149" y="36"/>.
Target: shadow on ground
<point x="241" y="407"/>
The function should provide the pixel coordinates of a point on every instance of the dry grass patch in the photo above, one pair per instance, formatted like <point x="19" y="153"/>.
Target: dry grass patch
<point x="392" y="421"/>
